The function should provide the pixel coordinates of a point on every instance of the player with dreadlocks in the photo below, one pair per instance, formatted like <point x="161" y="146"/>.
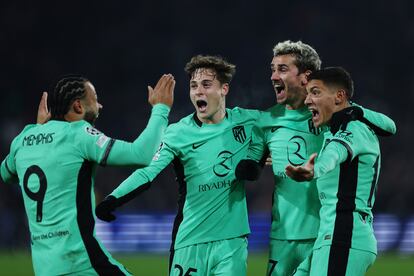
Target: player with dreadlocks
<point x="55" y="163"/>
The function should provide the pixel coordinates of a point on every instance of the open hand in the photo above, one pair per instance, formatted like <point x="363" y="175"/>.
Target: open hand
<point x="302" y="173"/>
<point x="163" y="91"/>
<point x="43" y="114"/>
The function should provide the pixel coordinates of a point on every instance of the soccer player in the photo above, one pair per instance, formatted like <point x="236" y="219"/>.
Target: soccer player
<point x="55" y="165"/>
<point x="287" y="132"/>
<point x="209" y="232"/>
<point x="347" y="171"/>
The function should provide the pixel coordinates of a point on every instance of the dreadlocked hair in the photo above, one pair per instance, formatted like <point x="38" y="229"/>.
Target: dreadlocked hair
<point x="68" y="89"/>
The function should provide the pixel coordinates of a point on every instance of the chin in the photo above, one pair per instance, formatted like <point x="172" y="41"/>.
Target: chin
<point x="317" y="123"/>
<point x="202" y="115"/>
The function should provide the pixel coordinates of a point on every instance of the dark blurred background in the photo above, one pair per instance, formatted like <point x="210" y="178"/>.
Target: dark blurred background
<point x="122" y="46"/>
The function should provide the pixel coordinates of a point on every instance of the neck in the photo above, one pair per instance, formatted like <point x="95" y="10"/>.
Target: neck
<point x="297" y="101"/>
<point x="295" y="106"/>
<point x="214" y="118"/>
<point x="342" y="106"/>
<point x="72" y="117"/>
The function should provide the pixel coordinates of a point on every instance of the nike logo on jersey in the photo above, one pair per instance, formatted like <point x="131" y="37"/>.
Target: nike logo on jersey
<point x="197" y="145"/>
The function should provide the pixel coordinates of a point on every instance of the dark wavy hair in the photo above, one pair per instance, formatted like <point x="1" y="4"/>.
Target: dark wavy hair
<point x="224" y="70"/>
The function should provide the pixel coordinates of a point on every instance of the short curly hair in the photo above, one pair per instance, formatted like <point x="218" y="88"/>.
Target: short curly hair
<point x="224" y="70"/>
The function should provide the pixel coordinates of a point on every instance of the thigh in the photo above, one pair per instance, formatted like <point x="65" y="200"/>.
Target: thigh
<point x="319" y="262"/>
<point x="189" y="260"/>
<point x="86" y="272"/>
<point x="229" y="258"/>
<point x="304" y="267"/>
<point x="359" y="261"/>
<point x="285" y="256"/>
<point x="340" y="261"/>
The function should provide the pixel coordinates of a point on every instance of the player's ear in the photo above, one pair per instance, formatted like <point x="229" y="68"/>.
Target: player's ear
<point x="304" y="77"/>
<point x="77" y="106"/>
<point x="225" y="89"/>
<point x="340" y="96"/>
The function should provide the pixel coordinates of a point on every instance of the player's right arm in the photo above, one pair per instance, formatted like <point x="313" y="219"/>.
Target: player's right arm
<point x="8" y="171"/>
<point x="382" y="124"/>
<point x="135" y="184"/>
<point x="8" y="167"/>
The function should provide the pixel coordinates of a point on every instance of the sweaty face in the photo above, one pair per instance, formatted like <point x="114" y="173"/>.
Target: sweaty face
<point x="208" y="95"/>
<point x="320" y="100"/>
<point x="288" y="84"/>
<point x="91" y="104"/>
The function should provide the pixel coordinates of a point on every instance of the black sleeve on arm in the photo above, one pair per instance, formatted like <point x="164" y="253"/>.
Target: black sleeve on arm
<point x="105" y="209"/>
<point x="341" y="118"/>
<point x="128" y="197"/>
<point x="248" y="170"/>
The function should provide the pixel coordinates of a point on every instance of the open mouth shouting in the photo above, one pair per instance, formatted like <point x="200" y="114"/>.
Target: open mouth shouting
<point x="279" y="88"/>
<point x="315" y="116"/>
<point x="201" y="105"/>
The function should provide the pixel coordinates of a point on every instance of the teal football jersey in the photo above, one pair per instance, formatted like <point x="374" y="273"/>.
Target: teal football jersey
<point x="55" y="165"/>
<point x="348" y="168"/>
<point x="212" y="203"/>
<point x="290" y="137"/>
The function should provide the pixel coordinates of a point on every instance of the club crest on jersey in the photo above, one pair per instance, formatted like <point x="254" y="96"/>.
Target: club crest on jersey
<point x="92" y="131"/>
<point x="239" y="134"/>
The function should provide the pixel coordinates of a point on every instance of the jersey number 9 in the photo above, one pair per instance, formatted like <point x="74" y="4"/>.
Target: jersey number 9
<point x="38" y="196"/>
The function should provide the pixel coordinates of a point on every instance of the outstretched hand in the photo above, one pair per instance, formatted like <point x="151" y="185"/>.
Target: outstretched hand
<point x="163" y="91"/>
<point x="43" y="114"/>
<point x="302" y="173"/>
<point x="104" y="210"/>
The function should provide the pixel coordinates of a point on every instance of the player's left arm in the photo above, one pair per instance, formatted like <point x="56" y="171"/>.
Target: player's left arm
<point x="140" y="152"/>
<point x="97" y="147"/>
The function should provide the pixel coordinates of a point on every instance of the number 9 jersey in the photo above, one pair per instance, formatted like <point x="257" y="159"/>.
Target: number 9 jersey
<point x="55" y="164"/>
